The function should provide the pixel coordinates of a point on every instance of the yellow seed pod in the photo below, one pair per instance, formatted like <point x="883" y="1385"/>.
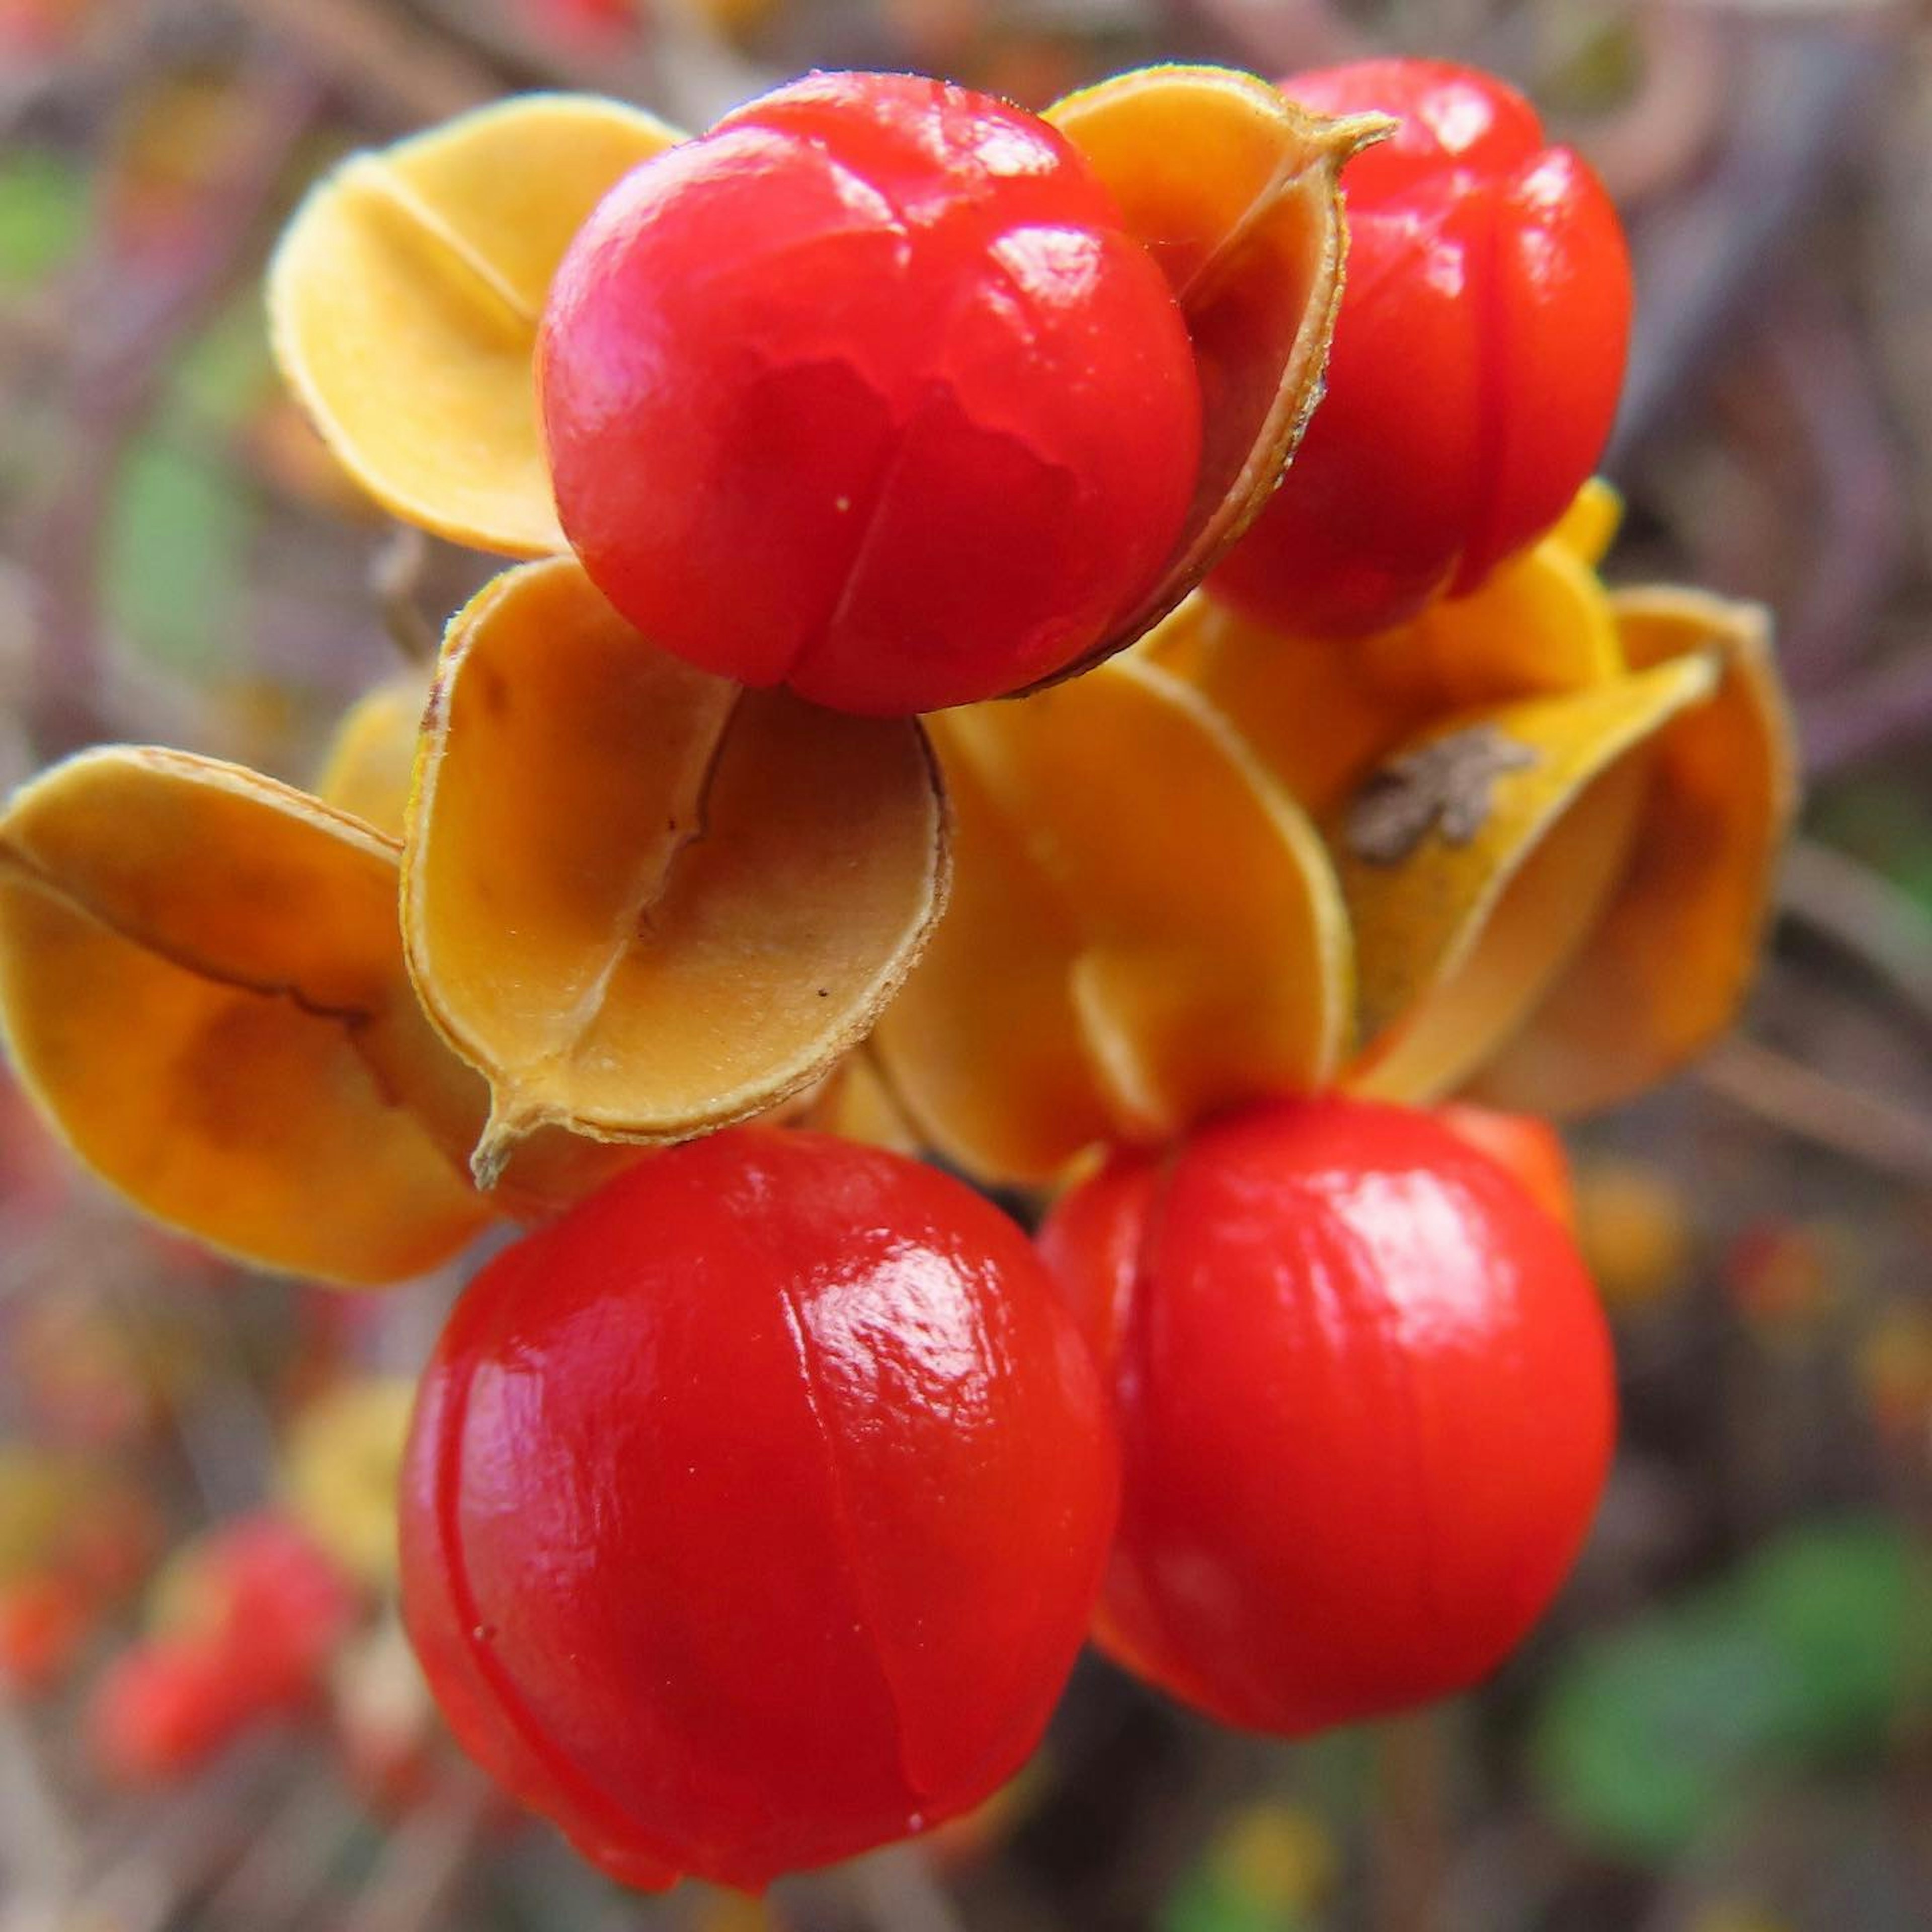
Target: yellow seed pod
<point x="1475" y="863"/>
<point x="1669" y="962"/>
<point x="1589" y="526"/>
<point x="1322" y="712"/>
<point x="1145" y="928"/>
<point x="643" y="901"/>
<point x="1235" y="192"/>
<point x="404" y="298"/>
<point x="340" y="1467"/>
<point x="202" y="985"/>
<point x="366" y="770"/>
<point x="855" y="1103"/>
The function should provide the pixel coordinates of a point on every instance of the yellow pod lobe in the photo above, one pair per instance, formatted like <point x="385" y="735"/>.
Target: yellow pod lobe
<point x="1589" y="526"/>
<point x="1144" y="929"/>
<point x="1322" y="713"/>
<point x="642" y="900"/>
<point x="1668" y="964"/>
<point x="855" y="1104"/>
<point x="340" y="1467"/>
<point x="202" y="985"/>
<point x="1476" y="862"/>
<point x="366" y="769"/>
<point x="404" y="298"/>
<point x="1235" y="192"/>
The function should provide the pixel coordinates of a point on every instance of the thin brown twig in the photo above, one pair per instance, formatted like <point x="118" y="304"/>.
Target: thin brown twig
<point x="1863" y="912"/>
<point x="1869" y="717"/>
<point x="424" y="1860"/>
<point x="395" y="576"/>
<point x="1701" y="262"/>
<point x="1411" y="1843"/>
<point x="1655" y="141"/>
<point x="1801" y="1101"/>
<point x="382" y="58"/>
<point x="1862" y="534"/>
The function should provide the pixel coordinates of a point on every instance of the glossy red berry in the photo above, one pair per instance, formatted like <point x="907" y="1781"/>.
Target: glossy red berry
<point x="163" y="1708"/>
<point x="1476" y="365"/>
<point x="259" y="1590"/>
<point x="754" y="1511"/>
<point x="1366" y="1404"/>
<point x="868" y="392"/>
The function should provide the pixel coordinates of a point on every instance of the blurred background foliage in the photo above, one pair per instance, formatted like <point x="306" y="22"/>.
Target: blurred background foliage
<point x="1726" y="1725"/>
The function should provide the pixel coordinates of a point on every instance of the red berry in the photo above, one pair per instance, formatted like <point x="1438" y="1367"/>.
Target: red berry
<point x="163" y="1708"/>
<point x="1366" y="1403"/>
<point x="868" y="392"/>
<point x="274" y="1603"/>
<point x="1477" y="361"/>
<point x="45" y="1619"/>
<point x="754" y="1511"/>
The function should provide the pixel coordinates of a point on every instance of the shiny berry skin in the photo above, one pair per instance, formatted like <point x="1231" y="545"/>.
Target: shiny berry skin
<point x="1366" y="1402"/>
<point x="1477" y="361"/>
<point x="754" y="1510"/>
<point x="868" y="392"/>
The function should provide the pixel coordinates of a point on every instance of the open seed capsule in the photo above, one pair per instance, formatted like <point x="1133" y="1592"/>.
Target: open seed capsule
<point x="366" y="770"/>
<point x="1235" y="192"/>
<point x="1476" y="862"/>
<point x="1145" y="928"/>
<point x="404" y="298"/>
<point x="202" y="983"/>
<point x="643" y="902"/>
<point x="1669" y="961"/>
<point x="1321" y="714"/>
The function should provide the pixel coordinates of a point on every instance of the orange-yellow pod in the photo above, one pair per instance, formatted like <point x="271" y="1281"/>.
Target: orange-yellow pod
<point x="1476" y="863"/>
<point x="404" y="297"/>
<point x="1667" y="965"/>
<point x="1145" y="928"/>
<point x="1235" y="191"/>
<point x="202" y="985"/>
<point x="643" y="902"/>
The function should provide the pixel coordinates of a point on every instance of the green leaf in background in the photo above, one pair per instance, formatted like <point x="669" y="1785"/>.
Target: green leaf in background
<point x="1847" y="1609"/>
<point x="1202" y="1902"/>
<point x="1813" y="1650"/>
<point x="1880" y="820"/>
<point x="44" y="215"/>
<point x="177" y="542"/>
<point x="227" y="374"/>
<point x="1266" y="1870"/>
<point x="1643" y="1740"/>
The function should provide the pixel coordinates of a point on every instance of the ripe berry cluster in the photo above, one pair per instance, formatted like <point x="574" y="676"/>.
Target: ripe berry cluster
<point x="756" y="1509"/>
<point x="759" y="1498"/>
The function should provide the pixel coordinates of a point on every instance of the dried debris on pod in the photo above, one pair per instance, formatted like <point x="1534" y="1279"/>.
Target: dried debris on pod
<point x="1321" y="714"/>
<point x="1144" y="929"/>
<point x="1669" y="961"/>
<point x="1476" y="863"/>
<point x="642" y="900"/>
